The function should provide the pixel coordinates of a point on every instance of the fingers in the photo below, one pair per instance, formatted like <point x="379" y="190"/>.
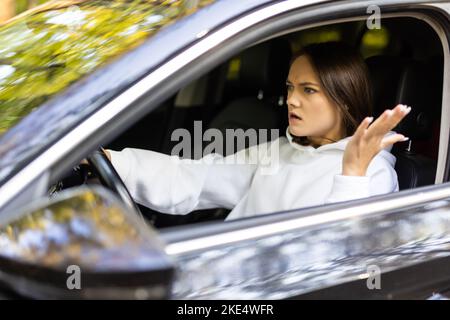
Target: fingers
<point x="390" y="140"/>
<point x="360" y="131"/>
<point x="388" y="120"/>
<point x="108" y="155"/>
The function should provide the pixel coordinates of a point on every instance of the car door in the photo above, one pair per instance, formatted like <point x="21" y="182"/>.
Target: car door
<point x="388" y="247"/>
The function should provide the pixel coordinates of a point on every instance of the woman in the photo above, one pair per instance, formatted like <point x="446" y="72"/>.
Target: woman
<point x="333" y="151"/>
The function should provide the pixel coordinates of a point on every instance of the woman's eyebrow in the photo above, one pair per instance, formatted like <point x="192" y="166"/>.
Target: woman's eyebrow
<point x="306" y="83"/>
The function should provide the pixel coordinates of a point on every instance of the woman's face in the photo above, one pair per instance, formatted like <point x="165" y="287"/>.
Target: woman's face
<point x="311" y="113"/>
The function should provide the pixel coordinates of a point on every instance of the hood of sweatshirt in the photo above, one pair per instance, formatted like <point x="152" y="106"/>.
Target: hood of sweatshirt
<point x="339" y="145"/>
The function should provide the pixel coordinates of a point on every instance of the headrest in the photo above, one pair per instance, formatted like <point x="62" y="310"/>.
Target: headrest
<point x="265" y="67"/>
<point x="396" y="80"/>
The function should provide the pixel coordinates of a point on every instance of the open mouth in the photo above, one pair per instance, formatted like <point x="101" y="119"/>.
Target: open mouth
<point x="293" y="116"/>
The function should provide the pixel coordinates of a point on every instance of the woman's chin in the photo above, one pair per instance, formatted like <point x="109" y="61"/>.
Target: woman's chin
<point x="296" y="132"/>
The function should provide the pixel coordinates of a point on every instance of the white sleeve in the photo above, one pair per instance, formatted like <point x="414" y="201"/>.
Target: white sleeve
<point x="380" y="178"/>
<point x="178" y="186"/>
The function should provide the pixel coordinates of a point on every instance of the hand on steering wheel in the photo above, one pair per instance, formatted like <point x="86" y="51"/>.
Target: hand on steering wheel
<point x="108" y="176"/>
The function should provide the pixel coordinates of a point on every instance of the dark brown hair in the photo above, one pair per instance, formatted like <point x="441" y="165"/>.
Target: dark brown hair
<point x="344" y="77"/>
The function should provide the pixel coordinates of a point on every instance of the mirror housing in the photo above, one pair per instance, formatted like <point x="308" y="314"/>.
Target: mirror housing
<point x="84" y="244"/>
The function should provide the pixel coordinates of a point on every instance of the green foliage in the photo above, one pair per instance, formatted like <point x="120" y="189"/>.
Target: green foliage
<point x="45" y="51"/>
<point x="22" y="5"/>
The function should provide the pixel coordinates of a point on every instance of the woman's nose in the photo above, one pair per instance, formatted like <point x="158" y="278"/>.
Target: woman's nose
<point x="293" y="101"/>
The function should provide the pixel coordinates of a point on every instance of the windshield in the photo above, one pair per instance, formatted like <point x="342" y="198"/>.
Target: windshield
<point x="46" y="49"/>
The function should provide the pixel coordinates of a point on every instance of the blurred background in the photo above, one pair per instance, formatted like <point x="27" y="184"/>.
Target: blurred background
<point x="10" y="8"/>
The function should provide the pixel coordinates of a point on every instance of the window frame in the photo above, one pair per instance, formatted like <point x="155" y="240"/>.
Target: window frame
<point x="406" y="198"/>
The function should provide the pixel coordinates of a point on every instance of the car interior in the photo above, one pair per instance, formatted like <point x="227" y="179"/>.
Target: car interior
<point x="405" y="60"/>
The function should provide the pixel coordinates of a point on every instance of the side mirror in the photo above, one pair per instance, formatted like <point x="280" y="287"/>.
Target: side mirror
<point x="84" y="244"/>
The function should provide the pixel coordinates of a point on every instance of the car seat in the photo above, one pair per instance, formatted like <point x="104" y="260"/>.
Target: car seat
<point x="399" y="80"/>
<point x="256" y="99"/>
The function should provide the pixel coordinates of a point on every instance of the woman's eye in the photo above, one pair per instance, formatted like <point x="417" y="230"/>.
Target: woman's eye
<point x="289" y="87"/>
<point x="309" y="90"/>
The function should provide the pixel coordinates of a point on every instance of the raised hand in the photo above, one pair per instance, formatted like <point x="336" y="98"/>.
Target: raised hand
<point x="367" y="140"/>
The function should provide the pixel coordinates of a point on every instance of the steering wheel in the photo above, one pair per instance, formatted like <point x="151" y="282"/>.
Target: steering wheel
<point x="109" y="177"/>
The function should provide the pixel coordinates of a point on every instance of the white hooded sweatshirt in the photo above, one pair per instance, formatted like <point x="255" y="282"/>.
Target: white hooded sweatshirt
<point x="281" y="175"/>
